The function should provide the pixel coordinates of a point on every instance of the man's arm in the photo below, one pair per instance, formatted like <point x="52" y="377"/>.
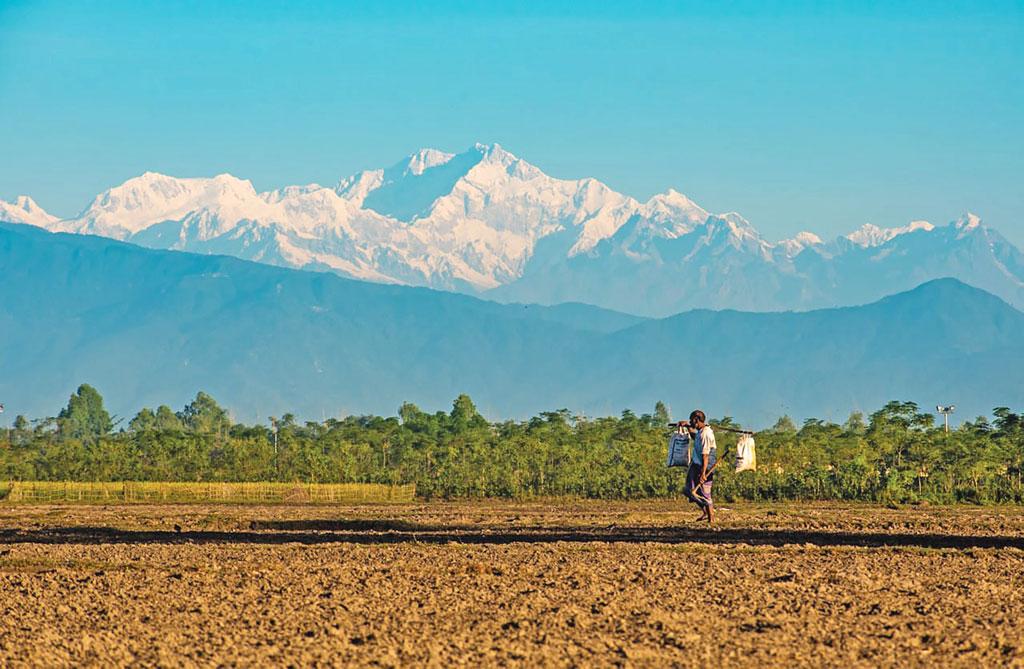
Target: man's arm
<point x="707" y="439"/>
<point x="713" y="468"/>
<point x="703" y="455"/>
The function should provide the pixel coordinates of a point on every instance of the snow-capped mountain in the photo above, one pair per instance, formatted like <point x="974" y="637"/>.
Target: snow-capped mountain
<point x="466" y="221"/>
<point x="25" y="210"/>
<point x="725" y="263"/>
<point x="486" y="221"/>
<point x="872" y="235"/>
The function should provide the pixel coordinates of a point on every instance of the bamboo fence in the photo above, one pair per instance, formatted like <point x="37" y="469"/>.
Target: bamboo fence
<point x="160" y="491"/>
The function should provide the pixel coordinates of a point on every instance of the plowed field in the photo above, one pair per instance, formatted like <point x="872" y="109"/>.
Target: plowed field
<point x="486" y="583"/>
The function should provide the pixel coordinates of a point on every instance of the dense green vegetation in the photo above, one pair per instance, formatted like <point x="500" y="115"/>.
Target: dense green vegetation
<point x="895" y="454"/>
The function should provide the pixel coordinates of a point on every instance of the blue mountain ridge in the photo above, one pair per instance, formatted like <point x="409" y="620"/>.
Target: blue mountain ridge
<point x="150" y="327"/>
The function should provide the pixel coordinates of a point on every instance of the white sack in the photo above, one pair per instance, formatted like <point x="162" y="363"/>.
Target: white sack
<point x="746" y="456"/>
<point x="679" y="450"/>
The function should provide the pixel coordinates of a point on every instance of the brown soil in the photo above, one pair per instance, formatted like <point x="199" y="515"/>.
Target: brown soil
<point x="553" y="583"/>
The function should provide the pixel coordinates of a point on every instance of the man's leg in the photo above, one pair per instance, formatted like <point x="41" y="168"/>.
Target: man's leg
<point x="709" y="505"/>
<point x="691" y="490"/>
<point x="691" y="480"/>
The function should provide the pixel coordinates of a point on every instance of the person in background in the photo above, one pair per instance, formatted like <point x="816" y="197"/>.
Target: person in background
<point x="703" y="457"/>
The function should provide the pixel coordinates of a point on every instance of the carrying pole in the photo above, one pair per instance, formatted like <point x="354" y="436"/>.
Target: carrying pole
<point x="719" y="427"/>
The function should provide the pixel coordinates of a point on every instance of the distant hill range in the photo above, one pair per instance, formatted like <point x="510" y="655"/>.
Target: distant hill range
<point x="148" y="327"/>
<point x="486" y="222"/>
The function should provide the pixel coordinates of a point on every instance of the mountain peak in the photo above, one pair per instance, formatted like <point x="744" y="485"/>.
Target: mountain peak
<point x="153" y="197"/>
<point x="676" y="212"/>
<point x="25" y="210"/>
<point x="737" y="224"/>
<point x="484" y="148"/>
<point x="968" y="221"/>
<point x="735" y="230"/>
<point x="356" y="187"/>
<point x="808" y="238"/>
<point x="869" y="235"/>
<point x="146" y="180"/>
<point x="673" y="198"/>
<point x="802" y="240"/>
<point x="424" y="159"/>
<point x="25" y="202"/>
<point x="866" y="235"/>
<point x="149" y="177"/>
<point x="943" y="289"/>
<point x="494" y="153"/>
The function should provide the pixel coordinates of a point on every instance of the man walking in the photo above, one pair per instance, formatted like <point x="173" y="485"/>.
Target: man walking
<point x="703" y="458"/>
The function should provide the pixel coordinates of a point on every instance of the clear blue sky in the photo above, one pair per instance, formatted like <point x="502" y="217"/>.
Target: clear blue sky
<point x="799" y="116"/>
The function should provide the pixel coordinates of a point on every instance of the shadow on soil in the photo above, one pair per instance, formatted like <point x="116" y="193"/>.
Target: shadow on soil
<point x="398" y="531"/>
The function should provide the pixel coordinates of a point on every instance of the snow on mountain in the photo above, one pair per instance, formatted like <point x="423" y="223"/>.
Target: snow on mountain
<point x="672" y="214"/>
<point x="799" y="242"/>
<point x="967" y="222"/>
<point x="506" y="205"/>
<point x="724" y="263"/>
<point x="154" y="198"/>
<point x="289" y="192"/>
<point x="356" y="187"/>
<point x="25" y="210"/>
<point x="486" y="221"/>
<point x="869" y="235"/>
<point x="467" y="221"/>
<point x="424" y="159"/>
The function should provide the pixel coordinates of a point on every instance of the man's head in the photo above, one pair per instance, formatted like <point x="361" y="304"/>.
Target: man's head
<point x="698" y="419"/>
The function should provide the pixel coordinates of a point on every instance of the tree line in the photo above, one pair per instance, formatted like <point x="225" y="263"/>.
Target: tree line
<point x="896" y="454"/>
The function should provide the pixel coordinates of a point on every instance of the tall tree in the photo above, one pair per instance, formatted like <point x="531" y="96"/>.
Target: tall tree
<point x="143" y="421"/>
<point x="784" y="425"/>
<point x="22" y="432"/>
<point x="166" y="419"/>
<point x="204" y="416"/>
<point x="855" y="423"/>
<point x="84" y="417"/>
<point x="464" y="415"/>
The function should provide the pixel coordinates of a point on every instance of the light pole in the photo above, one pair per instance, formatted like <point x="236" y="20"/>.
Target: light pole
<point x="945" y="411"/>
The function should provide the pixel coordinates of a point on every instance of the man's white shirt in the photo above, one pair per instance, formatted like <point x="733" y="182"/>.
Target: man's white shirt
<point x="703" y="444"/>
